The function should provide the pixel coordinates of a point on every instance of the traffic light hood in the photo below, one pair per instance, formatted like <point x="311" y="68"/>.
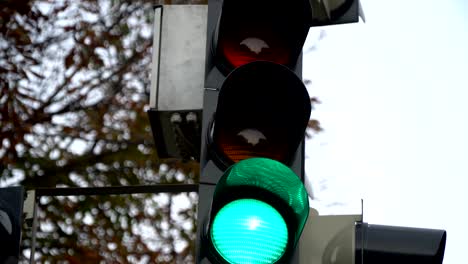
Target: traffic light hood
<point x="263" y="110"/>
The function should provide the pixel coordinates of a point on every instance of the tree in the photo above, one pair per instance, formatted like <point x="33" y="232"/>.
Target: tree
<point x="74" y="80"/>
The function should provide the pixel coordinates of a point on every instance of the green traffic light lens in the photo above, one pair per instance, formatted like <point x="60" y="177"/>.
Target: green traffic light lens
<point x="249" y="231"/>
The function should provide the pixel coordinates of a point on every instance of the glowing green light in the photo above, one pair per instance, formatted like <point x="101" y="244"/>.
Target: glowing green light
<point x="249" y="231"/>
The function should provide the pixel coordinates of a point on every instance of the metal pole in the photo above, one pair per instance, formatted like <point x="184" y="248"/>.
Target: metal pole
<point x="116" y="190"/>
<point x="33" y="233"/>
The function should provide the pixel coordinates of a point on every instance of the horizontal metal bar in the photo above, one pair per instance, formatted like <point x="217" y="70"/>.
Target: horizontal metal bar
<point x="159" y="188"/>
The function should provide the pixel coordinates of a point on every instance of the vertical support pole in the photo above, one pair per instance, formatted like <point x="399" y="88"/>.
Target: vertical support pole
<point x="30" y="220"/>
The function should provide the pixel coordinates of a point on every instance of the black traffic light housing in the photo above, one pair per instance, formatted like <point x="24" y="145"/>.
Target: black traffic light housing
<point x="332" y="12"/>
<point x="404" y="245"/>
<point x="254" y="97"/>
<point x="11" y="212"/>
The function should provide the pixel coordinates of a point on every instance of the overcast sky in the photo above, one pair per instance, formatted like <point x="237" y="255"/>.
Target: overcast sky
<point x="394" y="95"/>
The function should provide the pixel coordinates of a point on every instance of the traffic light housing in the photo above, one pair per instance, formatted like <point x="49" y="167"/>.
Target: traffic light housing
<point x="403" y="245"/>
<point x="255" y="112"/>
<point x="11" y="210"/>
<point x="332" y="12"/>
<point x="346" y="239"/>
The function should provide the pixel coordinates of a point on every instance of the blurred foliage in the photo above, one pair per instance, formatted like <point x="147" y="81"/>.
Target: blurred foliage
<point x="313" y="127"/>
<point x="74" y="87"/>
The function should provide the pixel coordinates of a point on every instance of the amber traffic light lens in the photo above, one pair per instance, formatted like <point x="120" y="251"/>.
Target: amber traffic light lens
<point x="262" y="111"/>
<point x="242" y="143"/>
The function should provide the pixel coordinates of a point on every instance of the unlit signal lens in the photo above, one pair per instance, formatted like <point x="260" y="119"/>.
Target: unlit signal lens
<point x="239" y="144"/>
<point x="243" y="45"/>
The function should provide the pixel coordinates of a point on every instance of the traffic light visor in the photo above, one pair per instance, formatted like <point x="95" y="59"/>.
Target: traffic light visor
<point x="263" y="110"/>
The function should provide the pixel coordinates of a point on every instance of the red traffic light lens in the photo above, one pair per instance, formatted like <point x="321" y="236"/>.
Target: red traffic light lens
<point x="241" y="45"/>
<point x="260" y="30"/>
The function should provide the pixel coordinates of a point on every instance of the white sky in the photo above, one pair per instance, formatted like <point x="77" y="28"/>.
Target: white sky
<point x="394" y="95"/>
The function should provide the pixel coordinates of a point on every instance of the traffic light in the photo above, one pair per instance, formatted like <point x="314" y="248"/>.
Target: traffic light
<point x="252" y="202"/>
<point x="331" y="12"/>
<point x="403" y="245"/>
<point x="11" y="210"/>
<point x="346" y="239"/>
